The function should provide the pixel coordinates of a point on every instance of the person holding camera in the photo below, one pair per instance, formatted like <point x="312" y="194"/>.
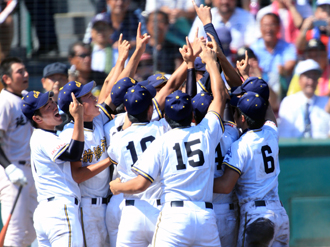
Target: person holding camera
<point x="316" y="26"/>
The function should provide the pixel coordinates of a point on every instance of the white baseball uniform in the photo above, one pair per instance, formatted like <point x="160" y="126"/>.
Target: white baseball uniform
<point x="17" y="132"/>
<point x="255" y="157"/>
<point x="116" y="204"/>
<point x="183" y="162"/>
<point x="139" y="215"/>
<point x="57" y="217"/>
<point x="225" y="206"/>
<point x="94" y="191"/>
<point x="114" y="207"/>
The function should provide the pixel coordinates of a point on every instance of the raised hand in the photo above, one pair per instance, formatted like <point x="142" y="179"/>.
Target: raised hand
<point x="76" y="109"/>
<point x="123" y="48"/>
<point x="187" y="54"/>
<point x="243" y="66"/>
<point x="195" y="45"/>
<point x="208" y="55"/>
<point x="204" y="13"/>
<point x="141" y="40"/>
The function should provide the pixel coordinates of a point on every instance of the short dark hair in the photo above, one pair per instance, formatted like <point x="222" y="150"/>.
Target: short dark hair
<point x="120" y="108"/>
<point x="277" y="18"/>
<point x="177" y="124"/>
<point x="159" y="12"/>
<point x="33" y="123"/>
<point x="139" y="118"/>
<point x="5" y="67"/>
<point x="252" y="123"/>
<point x="72" y="52"/>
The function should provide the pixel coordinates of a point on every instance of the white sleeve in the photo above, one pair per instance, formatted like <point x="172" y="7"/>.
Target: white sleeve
<point x="212" y="122"/>
<point x="55" y="147"/>
<point x="234" y="158"/>
<point x="157" y="113"/>
<point x="149" y="164"/>
<point x="5" y="116"/>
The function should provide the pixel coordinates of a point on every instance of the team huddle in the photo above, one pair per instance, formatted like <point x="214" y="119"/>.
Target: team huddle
<point x="147" y="164"/>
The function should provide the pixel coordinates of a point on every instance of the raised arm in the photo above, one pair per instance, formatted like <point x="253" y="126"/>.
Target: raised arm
<point x="218" y="88"/>
<point x="141" y="42"/>
<point x="123" y="50"/>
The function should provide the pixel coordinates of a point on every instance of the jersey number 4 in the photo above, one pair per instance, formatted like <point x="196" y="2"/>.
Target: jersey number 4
<point x="268" y="160"/>
<point x="190" y="153"/>
<point x="143" y="144"/>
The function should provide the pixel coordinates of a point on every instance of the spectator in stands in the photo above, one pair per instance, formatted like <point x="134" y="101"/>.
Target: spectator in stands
<point x="80" y="60"/>
<point x="168" y="55"/>
<point x="55" y="76"/>
<point x="291" y="14"/>
<point x="241" y="23"/>
<point x="123" y="21"/>
<point x="181" y="14"/>
<point x="316" y="26"/>
<point x="276" y="57"/>
<point x="315" y="50"/>
<point x="303" y="115"/>
<point x="42" y="16"/>
<point x="102" y="54"/>
<point x="6" y="27"/>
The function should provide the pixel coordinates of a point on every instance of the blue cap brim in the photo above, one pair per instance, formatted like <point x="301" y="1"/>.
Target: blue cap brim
<point x="44" y="97"/>
<point x="238" y="91"/>
<point x="234" y="100"/>
<point x="86" y="89"/>
<point x="151" y="90"/>
<point x="143" y="83"/>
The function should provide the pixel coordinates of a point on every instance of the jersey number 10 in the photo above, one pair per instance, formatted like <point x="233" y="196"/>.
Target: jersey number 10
<point x="190" y="153"/>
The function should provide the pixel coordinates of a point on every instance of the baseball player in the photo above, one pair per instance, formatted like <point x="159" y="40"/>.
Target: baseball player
<point x="181" y="160"/>
<point x="94" y="190"/>
<point x="252" y="162"/>
<point x="15" y="133"/>
<point x="56" y="218"/>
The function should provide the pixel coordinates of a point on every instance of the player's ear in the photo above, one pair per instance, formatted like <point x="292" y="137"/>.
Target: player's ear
<point x="243" y="118"/>
<point x="37" y="119"/>
<point x="6" y="79"/>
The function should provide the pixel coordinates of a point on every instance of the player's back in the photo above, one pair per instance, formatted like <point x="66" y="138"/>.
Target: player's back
<point x="187" y="161"/>
<point x="258" y="150"/>
<point x="126" y="147"/>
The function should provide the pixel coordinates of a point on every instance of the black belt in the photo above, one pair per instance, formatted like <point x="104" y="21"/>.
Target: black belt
<point x="180" y="204"/>
<point x="131" y="202"/>
<point x="53" y="197"/>
<point x="262" y="203"/>
<point x="22" y="162"/>
<point x="104" y="200"/>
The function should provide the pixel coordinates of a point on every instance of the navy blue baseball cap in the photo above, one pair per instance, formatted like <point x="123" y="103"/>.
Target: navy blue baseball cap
<point x="55" y="68"/>
<point x="79" y="90"/>
<point x="138" y="98"/>
<point x="101" y="17"/>
<point x="254" y="84"/>
<point x="253" y="105"/>
<point x="33" y="101"/>
<point x="199" y="65"/>
<point x="200" y="104"/>
<point x="157" y="80"/>
<point x="178" y="105"/>
<point x="120" y="88"/>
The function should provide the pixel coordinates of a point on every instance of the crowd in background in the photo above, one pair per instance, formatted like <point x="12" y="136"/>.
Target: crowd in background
<point x="277" y="35"/>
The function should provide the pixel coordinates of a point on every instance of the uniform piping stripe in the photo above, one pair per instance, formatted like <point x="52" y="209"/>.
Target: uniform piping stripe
<point x="143" y="174"/>
<point x="69" y="225"/>
<point x="244" y="231"/>
<point x="230" y="122"/>
<point x="232" y="167"/>
<point x="202" y="86"/>
<point x="105" y="111"/>
<point x="60" y="152"/>
<point x="157" y="227"/>
<point x="82" y="226"/>
<point x="114" y="162"/>
<point x="221" y="122"/>
<point x="157" y="108"/>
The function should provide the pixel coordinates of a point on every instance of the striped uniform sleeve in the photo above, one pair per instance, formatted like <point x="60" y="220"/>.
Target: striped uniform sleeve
<point x="55" y="146"/>
<point x="157" y="113"/>
<point x="220" y="120"/>
<point x="234" y="158"/>
<point x="106" y="112"/>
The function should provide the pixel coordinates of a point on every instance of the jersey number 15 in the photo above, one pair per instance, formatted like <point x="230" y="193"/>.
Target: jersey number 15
<point x="190" y="153"/>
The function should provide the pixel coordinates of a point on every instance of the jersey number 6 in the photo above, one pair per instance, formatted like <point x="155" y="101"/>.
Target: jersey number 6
<point x="267" y="159"/>
<point x="190" y="153"/>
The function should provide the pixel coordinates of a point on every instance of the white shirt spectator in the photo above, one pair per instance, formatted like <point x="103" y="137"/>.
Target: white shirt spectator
<point x="292" y="114"/>
<point x="152" y="5"/>
<point x="98" y="58"/>
<point x="241" y="24"/>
